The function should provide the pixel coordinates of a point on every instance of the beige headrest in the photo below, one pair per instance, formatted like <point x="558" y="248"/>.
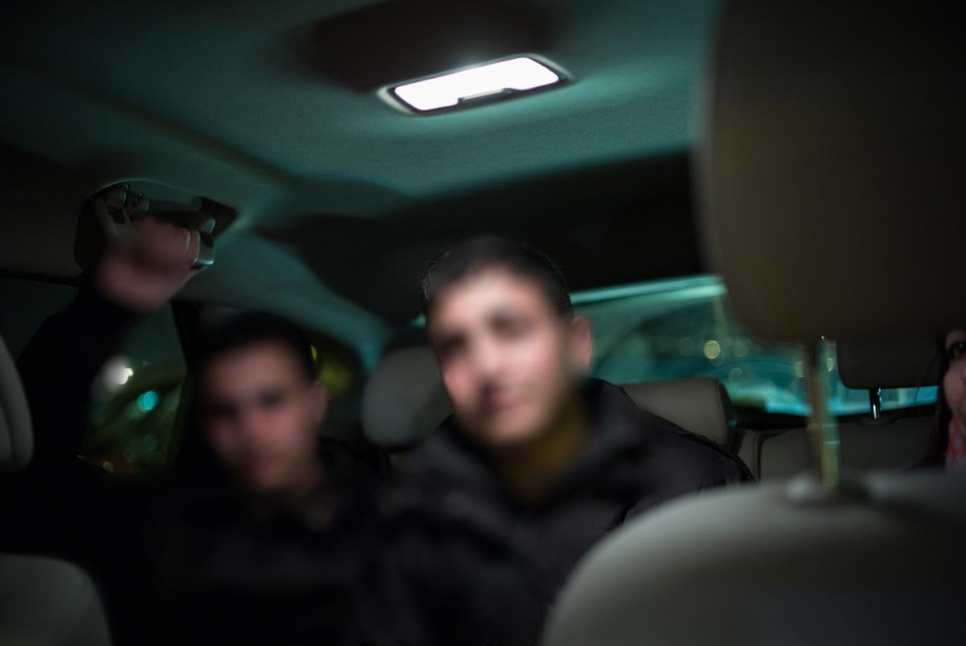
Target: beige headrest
<point x="850" y="571"/>
<point x="894" y="363"/>
<point x="16" y="435"/>
<point x="405" y="401"/>
<point x="699" y="405"/>
<point x="835" y="165"/>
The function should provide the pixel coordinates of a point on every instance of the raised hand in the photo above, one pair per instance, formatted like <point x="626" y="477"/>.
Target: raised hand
<point x="146" y="275"/>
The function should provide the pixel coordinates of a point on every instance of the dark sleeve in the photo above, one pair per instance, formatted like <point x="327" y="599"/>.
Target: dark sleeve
<point x="701" y="464"/>
<point x="58" y="368"/>
<point x="732" y="470"/>
<point x="685" y="465"/>
<point x="61" y="506"/>
<point x="712" y="466"/>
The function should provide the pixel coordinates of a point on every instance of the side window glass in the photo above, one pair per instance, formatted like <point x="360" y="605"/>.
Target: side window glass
<point x="135" y="401"/>
<point x="683" y="327"/>
<point x="342" y="373"/>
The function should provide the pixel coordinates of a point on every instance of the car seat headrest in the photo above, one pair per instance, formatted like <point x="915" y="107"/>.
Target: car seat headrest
<point x="700" y="405"/>
<point x="833" y="170"/>
<point x="405" y="401"/>
<point x="910" y="362"/>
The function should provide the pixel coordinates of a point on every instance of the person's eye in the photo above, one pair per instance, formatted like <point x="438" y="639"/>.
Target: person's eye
<point x="272" y="399"/>
<point x="449" y="349"/>
<point x="513" y="328"/>
<point x="956" y="350"/>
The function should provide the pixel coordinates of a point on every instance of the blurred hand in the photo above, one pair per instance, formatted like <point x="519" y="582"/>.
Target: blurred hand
<point x="145" y="278"/>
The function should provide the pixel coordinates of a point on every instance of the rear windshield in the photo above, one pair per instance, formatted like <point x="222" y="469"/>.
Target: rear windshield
<point x="680" y="328"/>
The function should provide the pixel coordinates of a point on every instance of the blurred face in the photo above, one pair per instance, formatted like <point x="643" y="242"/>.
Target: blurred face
<point x="954" y="383"/>
<point x="508" y="359"/>
<point x="261" y="415"/>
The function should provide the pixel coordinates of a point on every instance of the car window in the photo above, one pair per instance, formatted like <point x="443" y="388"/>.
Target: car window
<point x="135" y="398"/>
<point x="680" y="328"/>
<point x="342" y="373"/>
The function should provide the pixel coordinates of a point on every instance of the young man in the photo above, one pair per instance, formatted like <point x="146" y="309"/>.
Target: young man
<point x="536" y="464"/>
<point x="257" y="546"/>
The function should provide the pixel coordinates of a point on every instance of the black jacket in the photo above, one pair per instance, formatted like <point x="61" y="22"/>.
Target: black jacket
<point x="463" y="563"/>
<point x="179" y="560"/>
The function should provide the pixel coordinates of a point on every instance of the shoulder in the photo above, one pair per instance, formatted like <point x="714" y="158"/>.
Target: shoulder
<point x="674" y="455"/>
<point x="688" y="460"/>
<point x="676" y="463"/>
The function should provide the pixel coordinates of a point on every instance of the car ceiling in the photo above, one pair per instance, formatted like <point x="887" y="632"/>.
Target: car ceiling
<point x="342" y="198"/>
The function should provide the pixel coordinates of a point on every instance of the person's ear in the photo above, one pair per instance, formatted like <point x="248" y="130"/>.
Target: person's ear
<point x="320" y="401"/>
<point x="581" y="343"/>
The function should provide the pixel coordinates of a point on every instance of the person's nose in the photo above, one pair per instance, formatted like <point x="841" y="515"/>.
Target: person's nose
<point x="487" y="361"/>
<point x="251" y="422"/>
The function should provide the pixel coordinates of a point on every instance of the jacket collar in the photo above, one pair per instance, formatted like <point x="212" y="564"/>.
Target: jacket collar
<point x="616" y="427"/>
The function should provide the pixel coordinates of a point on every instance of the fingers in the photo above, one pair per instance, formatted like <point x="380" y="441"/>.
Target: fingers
<point x="166" y="245"/>
<point x="191" y="247"/>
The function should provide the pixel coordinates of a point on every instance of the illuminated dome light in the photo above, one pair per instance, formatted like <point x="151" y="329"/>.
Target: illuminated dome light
<point x="501" y="78"/>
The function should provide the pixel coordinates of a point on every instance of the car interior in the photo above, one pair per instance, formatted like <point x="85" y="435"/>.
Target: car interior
<point x="757" y="206"/>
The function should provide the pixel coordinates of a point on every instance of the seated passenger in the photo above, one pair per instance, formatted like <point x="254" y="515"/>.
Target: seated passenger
<point x="259" y="549"/>
<point x="537" y="463"/>
<point x="946" y="446"/>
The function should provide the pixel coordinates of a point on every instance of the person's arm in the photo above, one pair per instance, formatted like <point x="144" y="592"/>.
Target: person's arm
<point x="736" y="471"/>
<point x="703" y="466"/>
<point x="728" y="469"/>
<point x="61" y="506"/>
<point x="60" y="363"/>
<point x="58" y="368"/>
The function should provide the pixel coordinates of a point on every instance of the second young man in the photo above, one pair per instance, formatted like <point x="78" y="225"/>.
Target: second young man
<point x="536" y="464"/>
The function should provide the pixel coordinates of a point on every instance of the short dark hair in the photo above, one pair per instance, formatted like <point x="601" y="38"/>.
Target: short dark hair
<point x="490" y="252"/>
<point x="250" y="328"/>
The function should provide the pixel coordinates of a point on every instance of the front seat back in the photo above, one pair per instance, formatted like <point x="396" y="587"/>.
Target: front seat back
<point x="43" y="601"/>
<point x="749" y="566"/>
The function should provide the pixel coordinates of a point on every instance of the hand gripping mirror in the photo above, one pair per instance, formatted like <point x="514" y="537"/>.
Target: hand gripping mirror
<point x="117" y="207"/>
